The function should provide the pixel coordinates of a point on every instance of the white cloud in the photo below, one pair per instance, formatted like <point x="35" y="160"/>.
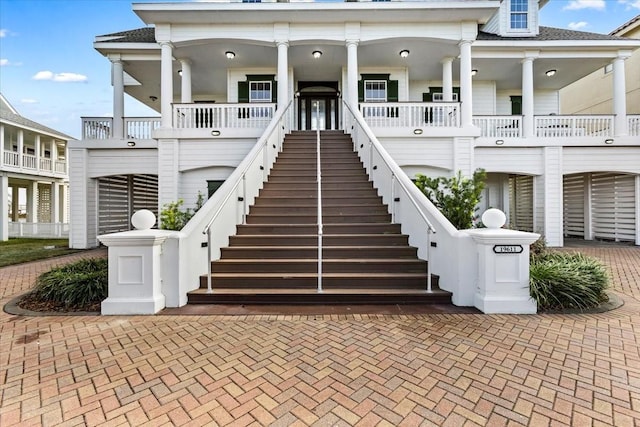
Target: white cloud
<point x="586" y="4"/>
<point x="28" y="101"/>
<point x="630" y="3"/>
<point x="577" y="25"/>
<point x="3" y="32"/>
<point x="59" y="77"/>
<point x="3" y="62"/>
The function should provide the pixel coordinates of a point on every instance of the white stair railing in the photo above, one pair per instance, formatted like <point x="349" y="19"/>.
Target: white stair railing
<point x="319" y="181"/>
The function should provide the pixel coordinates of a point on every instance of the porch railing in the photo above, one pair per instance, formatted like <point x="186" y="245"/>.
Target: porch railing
<point x="140" y="127"/>
<point x="569" y="126"/>
<point x="134" y="127"/>
<point x="38" y="229"/>
<point x="499" y="126"/>
<point x="212" y="116"/>
<point x="11" y="158"/>
<point x="96" y="127"/>
<point x="634" y="125"/>
<point x="29" y="161"/>
<point x="411" y="115"/>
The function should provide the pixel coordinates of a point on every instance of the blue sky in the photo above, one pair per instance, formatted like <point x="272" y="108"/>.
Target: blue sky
<point x="51" y="74"/>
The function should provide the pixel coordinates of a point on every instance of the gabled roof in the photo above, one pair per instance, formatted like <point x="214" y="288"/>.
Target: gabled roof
<point x="11" y="115"/>
<point x="623" y="27"/>
<point x="552" y="34"/>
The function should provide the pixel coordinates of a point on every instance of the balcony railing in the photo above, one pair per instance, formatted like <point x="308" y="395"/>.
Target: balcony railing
<point x="212" y="116"/>
<point x="634" y="125"/>
<point x="134" y="127"/>
<point x="14" y="160"/>
<point x="38" y="229"/>
<point x="552" y="126"/>
<point x="411" y="114"/>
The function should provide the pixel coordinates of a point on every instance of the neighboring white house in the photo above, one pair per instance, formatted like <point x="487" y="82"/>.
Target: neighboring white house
<point x="34" y="182"/>
<point x="444" y="86"/>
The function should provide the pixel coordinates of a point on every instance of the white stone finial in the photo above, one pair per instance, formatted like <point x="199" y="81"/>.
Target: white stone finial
<point x="143" y="219"/>
<point x="494" y="218"/>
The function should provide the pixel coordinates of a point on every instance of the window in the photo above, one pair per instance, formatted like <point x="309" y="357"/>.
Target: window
<point x="260" y="91"/>
<point x="519" y="14"/>
<point x="375" y="91"/>
<point x="439" y="97"/>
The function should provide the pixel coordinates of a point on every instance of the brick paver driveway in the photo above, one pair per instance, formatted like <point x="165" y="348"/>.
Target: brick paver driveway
<point x="430" y="369"/>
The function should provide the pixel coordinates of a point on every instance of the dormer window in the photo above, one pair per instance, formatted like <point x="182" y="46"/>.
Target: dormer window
<point x="519" y="15"/>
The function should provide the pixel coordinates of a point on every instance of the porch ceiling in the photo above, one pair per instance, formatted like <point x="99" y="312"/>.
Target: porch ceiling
<point x="209" y="65"/>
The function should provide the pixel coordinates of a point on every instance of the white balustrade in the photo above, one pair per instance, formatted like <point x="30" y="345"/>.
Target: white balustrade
<point x="213" y="116"/>
<point x="411" y="115"/>
<point x="499" y="126"/>
<point x="29" y="161"/>
<point x="140" y="127"/>
<point x="38" y="229"/>
<point x="96" y="127"/>
<point x="11" y="158"/>
<point x="46" y="165"/>
<point x="61" y="167"/>
<point x="572" y="126"/>
<point x="634" y="125"/>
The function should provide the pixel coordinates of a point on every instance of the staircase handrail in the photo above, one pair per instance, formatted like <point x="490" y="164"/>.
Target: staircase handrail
<point x="319" y="180"/>
<point x="396" y="172"/>
<point x="240" y="177"/>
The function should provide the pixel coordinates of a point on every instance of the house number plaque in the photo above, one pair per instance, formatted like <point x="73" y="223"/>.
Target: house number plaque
<point x="507" y="249"/>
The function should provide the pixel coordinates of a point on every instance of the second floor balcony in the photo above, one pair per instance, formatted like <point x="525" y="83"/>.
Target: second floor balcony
<point x="393" y="118"/>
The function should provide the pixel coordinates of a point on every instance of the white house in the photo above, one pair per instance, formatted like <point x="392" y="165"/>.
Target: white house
<point x="431" y="87"/>
<point x="34" y="183"/>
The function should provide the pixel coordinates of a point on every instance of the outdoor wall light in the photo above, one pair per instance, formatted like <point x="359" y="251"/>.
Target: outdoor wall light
<point x="499" y="141"/>
<point x="153" y="98"/>
<point x="404" y="53"/>
<point x="229" y="54"/>
<point x="551" y="73"/>
<point x="180" y="73"/>
<point x="608" y="141"/>
<point x="417" y="131"/>
<point x="131" y="143"/>
<point x="474" y="72"/>
<point x="215" y="133"/>
<point x="316" y="54"/>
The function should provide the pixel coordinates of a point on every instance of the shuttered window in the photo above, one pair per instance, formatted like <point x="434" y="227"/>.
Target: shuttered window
<point x="613" y="204"/>
<point x="573" y="205"/>
<point x="521" y="202"/>
<point x="120" y="196"/>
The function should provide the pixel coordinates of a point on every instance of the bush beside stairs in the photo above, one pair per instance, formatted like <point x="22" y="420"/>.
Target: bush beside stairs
<point x="273" y="258"/>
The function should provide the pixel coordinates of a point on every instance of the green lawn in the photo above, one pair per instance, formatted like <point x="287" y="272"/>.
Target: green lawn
<point x="17" y="251"/>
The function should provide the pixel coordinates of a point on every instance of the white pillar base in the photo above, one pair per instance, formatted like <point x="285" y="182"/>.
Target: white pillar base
<point x="129" y="306"/>
<point x="505" y="305"/>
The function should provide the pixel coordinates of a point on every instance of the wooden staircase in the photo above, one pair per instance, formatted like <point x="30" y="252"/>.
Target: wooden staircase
<point x="274" y="256"/>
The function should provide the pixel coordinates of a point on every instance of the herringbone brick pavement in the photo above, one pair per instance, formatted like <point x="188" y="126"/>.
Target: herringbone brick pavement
<point x="436" y="369"/>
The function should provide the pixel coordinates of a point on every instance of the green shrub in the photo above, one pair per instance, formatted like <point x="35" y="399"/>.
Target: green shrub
<point x="78" y="284"/>
<point x="567" y="281"/>
<point x="172" y="217"/>
<point x="456" y="197"/>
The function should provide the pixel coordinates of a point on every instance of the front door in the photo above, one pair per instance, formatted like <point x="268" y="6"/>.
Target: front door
<point x="318" y="106"/>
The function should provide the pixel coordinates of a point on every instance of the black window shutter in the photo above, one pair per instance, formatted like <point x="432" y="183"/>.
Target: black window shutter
<point x="392" y="91"/>
<point x="243" y="91"/>
<point x="516" y="105"/>
<point x="360" y="90"/>
<point x="274" y="91"/>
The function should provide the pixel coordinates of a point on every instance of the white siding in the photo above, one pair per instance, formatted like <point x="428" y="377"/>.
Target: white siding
<point x="601" y="159"/>
<point x="420" y="152"/>
<point x="484" y="98"/>
<point x="510" y="160"/>
<point x="195" y="181"/>
<point x="544" y="102"/>
<point x="122" y="161"/>
<point x="219" y="152"/>
<point x="553" y="195"/>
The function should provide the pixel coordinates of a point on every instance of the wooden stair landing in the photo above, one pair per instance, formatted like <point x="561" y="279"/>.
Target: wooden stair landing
<point x="273" y="258"/>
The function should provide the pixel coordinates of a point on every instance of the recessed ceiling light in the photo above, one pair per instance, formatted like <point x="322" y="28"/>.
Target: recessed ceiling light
<point x="551" y="73"/>
<point x="230" y="55"/>
<point x="474" y="72"/>
<point x="404" y="53"/>
<point x="316" y="54"/>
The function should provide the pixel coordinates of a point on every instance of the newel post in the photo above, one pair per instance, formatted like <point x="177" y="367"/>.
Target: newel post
<point x="135" y="282"/>
<point x="503" y="267"/>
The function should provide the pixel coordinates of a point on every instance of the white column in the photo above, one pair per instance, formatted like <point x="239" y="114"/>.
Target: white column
<point x="185" y="91"/>
<point x="447" y="79"/>
<point x="283" y="74"/>
<point x="621" y="127"/>
<point x="4" y="207"/>
<point x="20" y="148"/>
<point x="37" y="150"/>
<point x="55" y="203"/>
<point x="1" y="144"/>
<point x="352" y="73"/>
<point x="527" y="98"/>
<point x="466" y="90"/>
<point x="166" y="83"/>
<point x="32" y="201"/>
<point x="15" y="203"/>
<point x="117" y="71"/>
